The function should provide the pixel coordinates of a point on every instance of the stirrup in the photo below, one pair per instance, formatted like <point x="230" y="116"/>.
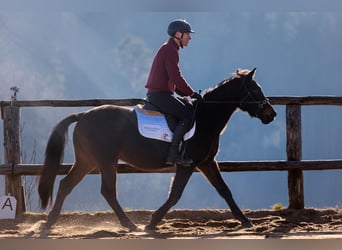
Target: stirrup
<point x="185" y="162"/>
<point x="179" y="160"/>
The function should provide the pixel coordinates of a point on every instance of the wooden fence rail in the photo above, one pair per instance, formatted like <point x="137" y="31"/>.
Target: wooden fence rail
<point x="225" y="166"/>
<point x="277" y="100"/>
<point x="13" y="169"/>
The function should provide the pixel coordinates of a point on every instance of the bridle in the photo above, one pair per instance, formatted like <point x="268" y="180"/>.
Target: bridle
<point x="261" y="104"/>
<point x="247" y="99"/>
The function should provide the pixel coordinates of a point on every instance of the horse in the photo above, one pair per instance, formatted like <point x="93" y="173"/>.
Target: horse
<point x="108" y="133"/>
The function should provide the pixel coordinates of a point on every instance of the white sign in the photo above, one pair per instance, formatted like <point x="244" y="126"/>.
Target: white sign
<point x="8" y="207"/>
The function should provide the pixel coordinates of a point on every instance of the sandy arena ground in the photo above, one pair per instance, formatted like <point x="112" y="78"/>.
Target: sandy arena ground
<point x="182" y="224"/>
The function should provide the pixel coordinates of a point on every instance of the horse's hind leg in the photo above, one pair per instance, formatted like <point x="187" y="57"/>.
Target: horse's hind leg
<point x="178" y="184"/>
<point x="108" y="190"/>
<point x="66" y="185"/>
<point x="212" y="173"/>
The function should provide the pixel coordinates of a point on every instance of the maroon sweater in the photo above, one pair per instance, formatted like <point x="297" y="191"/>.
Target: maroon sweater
<point x="165" y="74"/>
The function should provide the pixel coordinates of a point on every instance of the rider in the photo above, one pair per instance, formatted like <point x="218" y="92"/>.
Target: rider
<point x="165" y="79"/>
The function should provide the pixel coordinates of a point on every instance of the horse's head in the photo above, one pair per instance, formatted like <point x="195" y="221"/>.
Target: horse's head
<point x="252" y="99"/>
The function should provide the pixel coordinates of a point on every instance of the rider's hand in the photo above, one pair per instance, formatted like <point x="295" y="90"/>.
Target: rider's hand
<point x="197" y="96"/>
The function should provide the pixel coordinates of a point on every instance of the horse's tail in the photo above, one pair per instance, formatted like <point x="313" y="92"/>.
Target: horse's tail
<point x="53" y="155"/>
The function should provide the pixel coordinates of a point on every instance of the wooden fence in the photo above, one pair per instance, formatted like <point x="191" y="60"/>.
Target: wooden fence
<point x="13" y="169"/>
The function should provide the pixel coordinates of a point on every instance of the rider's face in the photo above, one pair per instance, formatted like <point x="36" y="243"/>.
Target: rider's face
<point x="185" y="39"/>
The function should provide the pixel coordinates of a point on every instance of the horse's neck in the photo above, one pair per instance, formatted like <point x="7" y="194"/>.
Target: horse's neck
<point x="218" y="115"/>
<point x="218" y="112"/>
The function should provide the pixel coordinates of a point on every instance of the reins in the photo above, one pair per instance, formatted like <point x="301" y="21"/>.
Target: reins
<point x="215" y="102"/>
<point x="244" y="101"/>
<point x="232" y="102"/>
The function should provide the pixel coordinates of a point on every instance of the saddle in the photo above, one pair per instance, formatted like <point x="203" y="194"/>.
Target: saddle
<point x="156" y="125"/>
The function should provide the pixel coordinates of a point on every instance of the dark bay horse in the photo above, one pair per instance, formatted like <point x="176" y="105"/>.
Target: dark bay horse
<point x="107" y="133"/>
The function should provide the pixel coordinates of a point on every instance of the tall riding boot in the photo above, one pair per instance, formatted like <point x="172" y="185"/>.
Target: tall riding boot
<point x="174" y="155"/>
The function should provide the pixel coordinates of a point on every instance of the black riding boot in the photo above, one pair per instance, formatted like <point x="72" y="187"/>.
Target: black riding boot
<point x="174" y="155"/>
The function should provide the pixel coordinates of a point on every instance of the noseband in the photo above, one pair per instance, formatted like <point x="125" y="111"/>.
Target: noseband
<point x="261" y="104"/>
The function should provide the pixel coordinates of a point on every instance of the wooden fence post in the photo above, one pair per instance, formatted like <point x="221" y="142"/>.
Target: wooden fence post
<point x="13" y="183"/>
<point x="294" y="153"/>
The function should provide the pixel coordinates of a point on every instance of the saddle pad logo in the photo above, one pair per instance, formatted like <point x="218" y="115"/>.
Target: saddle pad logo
<point x="155" y="127"/>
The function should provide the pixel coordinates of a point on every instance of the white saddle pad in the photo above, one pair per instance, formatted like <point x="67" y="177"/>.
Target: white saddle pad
<point x="152" y="124"/>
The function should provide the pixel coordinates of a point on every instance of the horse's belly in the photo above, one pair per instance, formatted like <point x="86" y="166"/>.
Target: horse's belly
<point x="148" y="154"/>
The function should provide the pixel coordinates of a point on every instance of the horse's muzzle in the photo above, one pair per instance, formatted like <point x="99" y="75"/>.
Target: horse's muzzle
<point x="268" y="115"/>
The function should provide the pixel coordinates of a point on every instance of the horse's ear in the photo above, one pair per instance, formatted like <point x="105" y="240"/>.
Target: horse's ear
<point x="251" y="74"/>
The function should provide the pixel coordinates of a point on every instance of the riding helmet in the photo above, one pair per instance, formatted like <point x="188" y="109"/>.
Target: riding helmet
<point x="179" y="25"/>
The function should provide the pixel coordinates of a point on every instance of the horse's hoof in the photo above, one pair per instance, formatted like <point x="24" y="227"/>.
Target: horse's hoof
<point x="150" y="228"/>
<point x="44" y="229"/>
<point x="47" y="225"/>
<point x="247" y="224"/>
<point x="130" y="225"/>
<point x="132" y="228"/>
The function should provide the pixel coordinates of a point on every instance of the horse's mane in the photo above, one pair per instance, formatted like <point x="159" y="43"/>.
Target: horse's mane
<point x="242" y="72"/>
<point x="237" y="74"/>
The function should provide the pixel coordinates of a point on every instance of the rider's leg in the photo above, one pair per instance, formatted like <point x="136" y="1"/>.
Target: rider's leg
<point x="183" y="111"/>
<point x="174" y="155"/>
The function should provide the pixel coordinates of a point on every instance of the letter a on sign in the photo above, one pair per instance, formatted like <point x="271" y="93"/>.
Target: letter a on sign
<point x="8" y="206"/>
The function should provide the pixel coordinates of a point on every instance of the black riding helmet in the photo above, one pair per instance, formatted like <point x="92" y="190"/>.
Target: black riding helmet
<point x="181" y="26"/>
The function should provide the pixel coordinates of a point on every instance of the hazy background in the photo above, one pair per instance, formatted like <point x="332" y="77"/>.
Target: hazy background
<point x="105" y="51"/>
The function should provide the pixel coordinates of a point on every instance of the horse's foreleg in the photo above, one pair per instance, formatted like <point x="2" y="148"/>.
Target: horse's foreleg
<point x="212" y="173"/>
<point x="108" y="190"/>
<point x="178" y="184"/>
